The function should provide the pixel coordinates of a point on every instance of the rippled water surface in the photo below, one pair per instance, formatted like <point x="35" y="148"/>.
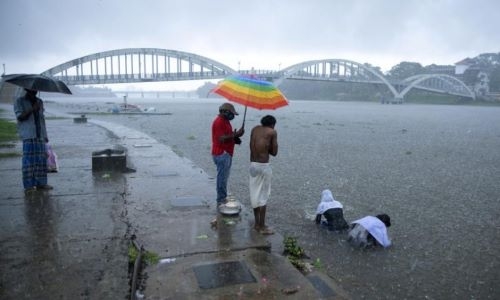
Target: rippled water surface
<point x="434" y="169"/>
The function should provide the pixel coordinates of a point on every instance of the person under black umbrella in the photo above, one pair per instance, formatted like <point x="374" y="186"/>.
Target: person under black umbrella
<point x="31" y="128"/>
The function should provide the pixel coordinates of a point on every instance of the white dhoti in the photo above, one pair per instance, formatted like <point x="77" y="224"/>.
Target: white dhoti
<point x="260" y="183"/>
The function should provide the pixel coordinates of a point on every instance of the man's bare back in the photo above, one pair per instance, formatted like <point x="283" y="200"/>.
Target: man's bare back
<point x="263" y="141"/>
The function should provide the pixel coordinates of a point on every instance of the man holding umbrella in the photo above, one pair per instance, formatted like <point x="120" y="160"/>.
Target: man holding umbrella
<point x="31" y="129"/>
<point x="223" y="141"/>
<point x="31" y="125"/>
<point x="247" y="91"/>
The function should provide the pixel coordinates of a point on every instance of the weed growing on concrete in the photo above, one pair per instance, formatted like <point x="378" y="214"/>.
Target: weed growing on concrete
<point x="294" y="253"/>
<point x="148" y="257"/>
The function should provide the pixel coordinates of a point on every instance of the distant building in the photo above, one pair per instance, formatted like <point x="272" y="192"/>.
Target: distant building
<point x="475" y="74"/>
<point x="463" y="65"/>
<point x="440" y="69"/>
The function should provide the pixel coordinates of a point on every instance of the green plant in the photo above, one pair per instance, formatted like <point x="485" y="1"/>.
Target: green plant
<point x="151" y="258"/>
<point x="132" y="253"/>
<point x="294" y="253"/>
<point x="148" y="257"/>
<point x="291" y="247"/>
<point x="8" y="131"/>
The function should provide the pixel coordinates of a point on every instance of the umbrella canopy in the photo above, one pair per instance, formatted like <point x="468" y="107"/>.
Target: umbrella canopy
<point x="251" y="92"/>
<point x="37" y="82"/>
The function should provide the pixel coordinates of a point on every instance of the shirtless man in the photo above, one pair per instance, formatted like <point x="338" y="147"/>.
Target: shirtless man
<point x="263" y="142"/>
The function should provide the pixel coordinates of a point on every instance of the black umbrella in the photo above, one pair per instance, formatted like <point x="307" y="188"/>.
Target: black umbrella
<point x="37" y="82"/>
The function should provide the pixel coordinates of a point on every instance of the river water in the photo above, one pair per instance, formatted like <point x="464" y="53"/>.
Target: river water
<point x="435" y="169"/>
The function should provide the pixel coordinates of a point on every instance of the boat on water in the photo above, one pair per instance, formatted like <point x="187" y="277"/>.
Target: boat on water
<point x="130" y="108"/>
<point x="124" y="107"/>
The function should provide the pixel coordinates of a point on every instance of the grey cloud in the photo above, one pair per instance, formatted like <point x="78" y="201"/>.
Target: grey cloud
<point x="63" y="30"/>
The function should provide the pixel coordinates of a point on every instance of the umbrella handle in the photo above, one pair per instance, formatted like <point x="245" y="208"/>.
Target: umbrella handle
<point x="244" y="116"/>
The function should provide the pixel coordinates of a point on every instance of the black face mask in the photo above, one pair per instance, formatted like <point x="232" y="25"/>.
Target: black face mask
<point x="228" y="115"/>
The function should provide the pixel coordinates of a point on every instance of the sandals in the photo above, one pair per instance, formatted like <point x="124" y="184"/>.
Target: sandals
<point x="266" y="231"/>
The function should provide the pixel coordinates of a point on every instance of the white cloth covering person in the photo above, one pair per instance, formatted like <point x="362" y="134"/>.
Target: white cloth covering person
<point x="260" y="183"/>
<point x="368" y="228"/>
<point x="327" y="202"/>
<point x="333" y="212"/>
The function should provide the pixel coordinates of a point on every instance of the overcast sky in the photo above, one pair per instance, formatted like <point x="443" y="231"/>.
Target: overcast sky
<point x="36" y="35"/>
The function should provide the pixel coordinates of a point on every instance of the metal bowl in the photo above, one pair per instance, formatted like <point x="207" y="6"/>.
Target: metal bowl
<point x="230" y="208"/>
<point x="233" y="204"/>
<point x="229" y="211"/>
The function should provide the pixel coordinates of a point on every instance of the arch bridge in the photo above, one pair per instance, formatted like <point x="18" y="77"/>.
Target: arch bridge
<point x="138" y="65"/>
<point x="350" y="71"/>
<point x="440" y="83"/>
<point x="154" y="64"/>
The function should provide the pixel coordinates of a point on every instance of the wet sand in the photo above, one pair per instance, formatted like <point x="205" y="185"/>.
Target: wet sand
<point x="434" y="169"/>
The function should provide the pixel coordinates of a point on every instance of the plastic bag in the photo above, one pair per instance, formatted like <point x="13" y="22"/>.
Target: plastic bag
<point x="52" y="165"/>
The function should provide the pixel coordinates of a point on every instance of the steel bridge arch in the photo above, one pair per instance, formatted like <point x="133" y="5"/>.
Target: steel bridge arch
<point x="214" y="68"/>
<point x="291" y="70"/>
<point x="413" y="81"/>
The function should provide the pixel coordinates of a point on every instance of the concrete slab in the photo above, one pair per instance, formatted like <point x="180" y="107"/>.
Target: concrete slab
<point x="275" y="278"/>
<point x="182" y="232"/>
<point x="222" y="274"/>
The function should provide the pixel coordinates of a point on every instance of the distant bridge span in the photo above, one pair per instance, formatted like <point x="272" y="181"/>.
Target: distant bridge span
<point x="438" y="83"/>
<point x="154" y="64"/>
<point x="138" y="65"/>
<point x="335" y="70"/>
<point x="346" y="70"/>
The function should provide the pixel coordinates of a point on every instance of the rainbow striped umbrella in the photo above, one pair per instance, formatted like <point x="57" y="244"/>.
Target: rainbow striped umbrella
<point x="251" y="92"/>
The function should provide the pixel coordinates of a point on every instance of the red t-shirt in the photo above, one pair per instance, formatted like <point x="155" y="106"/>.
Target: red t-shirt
<point x="221" y="127"/>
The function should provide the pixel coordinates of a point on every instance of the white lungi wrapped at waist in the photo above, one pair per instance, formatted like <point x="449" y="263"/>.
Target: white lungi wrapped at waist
<point x="260" y="183"/>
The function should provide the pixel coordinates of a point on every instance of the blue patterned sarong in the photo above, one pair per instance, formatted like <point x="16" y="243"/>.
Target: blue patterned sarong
<point x="34" y="163"/>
